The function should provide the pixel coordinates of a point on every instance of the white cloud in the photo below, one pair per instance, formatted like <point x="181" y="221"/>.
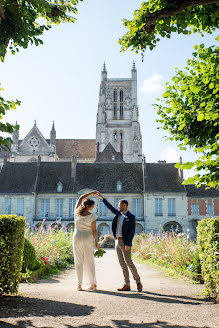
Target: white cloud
<point x="153" y="84"/>
<point x="170" y="154"/>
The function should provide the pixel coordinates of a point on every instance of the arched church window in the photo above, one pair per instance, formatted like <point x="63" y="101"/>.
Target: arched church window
<point x="115" y="136"/>
<point x="113" y="158"/>
<point x="115" y="103"/>
<point x="121" y="103"/>
<point x="121" y="136"/>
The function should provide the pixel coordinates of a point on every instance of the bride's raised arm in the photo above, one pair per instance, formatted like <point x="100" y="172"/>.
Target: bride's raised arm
<point x="80" y="199"/>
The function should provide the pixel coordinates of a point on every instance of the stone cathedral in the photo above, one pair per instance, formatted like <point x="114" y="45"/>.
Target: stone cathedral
<point x="42" y="178"/>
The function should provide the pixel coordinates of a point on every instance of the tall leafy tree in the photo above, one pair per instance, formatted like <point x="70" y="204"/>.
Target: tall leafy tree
<point x="22" y="23"/>
<point x="189" y="110"/>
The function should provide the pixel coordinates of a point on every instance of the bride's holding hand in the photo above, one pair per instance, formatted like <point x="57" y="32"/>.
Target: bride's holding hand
<point x="83" y="239"/>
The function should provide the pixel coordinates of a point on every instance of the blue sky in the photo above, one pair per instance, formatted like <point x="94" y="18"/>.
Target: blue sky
<point x="60" y="80"/>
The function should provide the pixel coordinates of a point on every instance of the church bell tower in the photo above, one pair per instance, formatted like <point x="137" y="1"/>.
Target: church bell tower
<point x="118" y="116"/>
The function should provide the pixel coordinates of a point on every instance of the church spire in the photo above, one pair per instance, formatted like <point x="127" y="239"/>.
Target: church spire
<point x="53" y="135"/>
<point x="104" y="73"/>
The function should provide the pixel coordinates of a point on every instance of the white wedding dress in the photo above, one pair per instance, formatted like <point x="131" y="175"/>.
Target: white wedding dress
<point x="83" y="247"/>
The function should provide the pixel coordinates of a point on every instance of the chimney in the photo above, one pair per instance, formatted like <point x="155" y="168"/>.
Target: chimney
<point x="161" y="162"/>
<point x="121" y="148"/>
<point x="73" y="166"/>
<point x="180" y="171"/>
<point x="5" y="159"/>
<point x="38" y="160"/>
<point x="98" y="149"/>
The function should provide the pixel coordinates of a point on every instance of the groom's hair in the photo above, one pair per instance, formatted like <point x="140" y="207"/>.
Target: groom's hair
<point x="124" y="201"/>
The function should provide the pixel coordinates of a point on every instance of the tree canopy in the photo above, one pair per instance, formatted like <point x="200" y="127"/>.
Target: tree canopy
<point x="190" y="113"/>
<point x="160" y="18"/>
<point x="189" y="110"/>
<point x="23" y="22"/>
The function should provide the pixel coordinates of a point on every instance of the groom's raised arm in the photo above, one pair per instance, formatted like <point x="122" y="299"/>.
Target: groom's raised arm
<point x="110" y="207"/>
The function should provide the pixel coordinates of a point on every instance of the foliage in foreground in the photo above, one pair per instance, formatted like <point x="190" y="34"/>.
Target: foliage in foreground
<point x="208" y="243"/>
<point x="11" y="252"/>
<point x="23" y="22"/>
<point x="169" y="250"/>
<point x="190" y="113"/>
<point x="6" y="105"/>
<point x="157" y="19"/>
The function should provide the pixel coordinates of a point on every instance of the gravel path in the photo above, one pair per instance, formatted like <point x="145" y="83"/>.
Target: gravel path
<point x="164" y="303"/>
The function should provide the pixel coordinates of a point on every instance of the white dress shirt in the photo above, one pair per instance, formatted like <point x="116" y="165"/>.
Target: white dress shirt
<point x="119" y="224"/>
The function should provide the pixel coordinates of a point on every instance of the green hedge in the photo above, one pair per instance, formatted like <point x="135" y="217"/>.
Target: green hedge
<point x="30" y="260"/>
<point x="208" y="243"/>
<point x="11" y="252"/>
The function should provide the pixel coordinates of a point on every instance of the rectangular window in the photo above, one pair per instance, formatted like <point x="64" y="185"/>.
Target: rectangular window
<point x="136" y="207"/>
<point x="158" y="206"/>
<point x="44" y="208"/>
<point x="72" y="203"/>
<point x="59" y="207"/>
<point x="171" y="206"/>
<point x="8" y="205"/>
<point x="210" y="208"/>
<point x="117" y="202"/>
<point x="103" y="208"/>
<point x="20" y="206"/>
<point x="194" y="208"/>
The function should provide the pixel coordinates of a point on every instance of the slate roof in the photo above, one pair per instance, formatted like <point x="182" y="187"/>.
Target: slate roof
<point x="193" y="191"/>
<point x="106" y="155"/>
<point x="50" y="173"/>
<point x="104" y="177"/>
<point x="162" y="177"/>
<point x="18" y="177"/>
<point x="29" y="177"/>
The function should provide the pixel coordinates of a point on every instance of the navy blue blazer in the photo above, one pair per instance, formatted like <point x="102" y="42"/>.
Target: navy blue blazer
<point x="128" y="227"/>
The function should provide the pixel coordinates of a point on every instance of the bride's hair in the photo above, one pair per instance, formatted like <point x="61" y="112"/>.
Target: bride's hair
<point x="83" y="207"/>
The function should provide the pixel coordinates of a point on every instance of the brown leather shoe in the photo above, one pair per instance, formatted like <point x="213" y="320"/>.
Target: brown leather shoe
<point x="125" y="288"/>
<point x="139" y="286"/>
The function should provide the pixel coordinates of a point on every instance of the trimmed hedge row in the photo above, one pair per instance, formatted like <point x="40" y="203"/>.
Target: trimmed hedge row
<point x="208" y="244"/>
<point x="11" y="252"/>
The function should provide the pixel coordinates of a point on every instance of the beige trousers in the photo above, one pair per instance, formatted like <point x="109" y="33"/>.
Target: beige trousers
<point x="125" y="261"/>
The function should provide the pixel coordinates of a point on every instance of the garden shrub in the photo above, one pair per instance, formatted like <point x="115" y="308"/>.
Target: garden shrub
<point x="208" y="243"/>
<point x="11" y="252"/>
<point x="107" y="241"/>
<point x="30" y="261"/>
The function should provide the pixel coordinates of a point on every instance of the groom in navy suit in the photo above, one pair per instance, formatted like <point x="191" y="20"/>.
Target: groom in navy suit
<point x="123" y="228"/>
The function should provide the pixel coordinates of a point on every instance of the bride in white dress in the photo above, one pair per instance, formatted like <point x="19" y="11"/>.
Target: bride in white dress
<point x="83" y="240"/>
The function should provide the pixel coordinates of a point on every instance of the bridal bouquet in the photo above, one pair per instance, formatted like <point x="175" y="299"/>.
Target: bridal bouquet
<point x="99" y="252"/>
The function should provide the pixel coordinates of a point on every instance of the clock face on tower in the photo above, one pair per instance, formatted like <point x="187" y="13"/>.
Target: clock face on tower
<point x="34" y="142"/>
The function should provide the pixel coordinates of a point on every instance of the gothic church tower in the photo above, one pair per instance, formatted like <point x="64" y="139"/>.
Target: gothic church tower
<point x="117" y="117"/>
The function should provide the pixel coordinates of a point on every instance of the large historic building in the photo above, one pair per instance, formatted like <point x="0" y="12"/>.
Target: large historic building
<point x="42" y="178"/>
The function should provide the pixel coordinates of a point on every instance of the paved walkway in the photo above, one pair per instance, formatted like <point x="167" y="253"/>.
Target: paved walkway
<point x="164" y="303"/>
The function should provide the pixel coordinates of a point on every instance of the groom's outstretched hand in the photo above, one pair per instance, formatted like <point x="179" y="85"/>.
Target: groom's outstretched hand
<point x="127" y="248"/>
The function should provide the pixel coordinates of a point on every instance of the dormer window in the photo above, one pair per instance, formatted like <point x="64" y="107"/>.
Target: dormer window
<point x="59" y="187"/>
<point x="119" y="186"/>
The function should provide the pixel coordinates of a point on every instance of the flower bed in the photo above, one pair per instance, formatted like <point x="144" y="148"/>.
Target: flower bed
<point x="53" y="248"/>
<point x="169" y="250"/>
